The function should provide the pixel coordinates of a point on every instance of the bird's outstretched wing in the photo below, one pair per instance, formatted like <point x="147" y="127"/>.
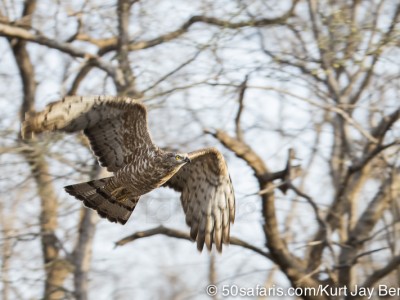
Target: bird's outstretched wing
<point x="207" y="197"/>
<point x="116" y="126"/>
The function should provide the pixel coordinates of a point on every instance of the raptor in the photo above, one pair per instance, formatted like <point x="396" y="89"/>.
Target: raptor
<point x="119" y="137"/>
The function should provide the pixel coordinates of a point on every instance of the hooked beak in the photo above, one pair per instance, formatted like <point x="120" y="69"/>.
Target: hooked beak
<point x="187" y="159"/>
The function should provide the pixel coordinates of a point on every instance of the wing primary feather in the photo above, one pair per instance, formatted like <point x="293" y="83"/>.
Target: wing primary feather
<point x="207" y="197"/>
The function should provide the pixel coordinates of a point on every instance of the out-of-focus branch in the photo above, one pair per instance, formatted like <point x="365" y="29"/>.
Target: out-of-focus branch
<point x="361" y="163"/>
<point x="389" y="191"/>
<point x="56" y="268"/>
<point x="83" y="72"/>
<point x="386" y="123"/>
<point x="352" y="181"/>
<point x="212" y="275"/>
<point x="314" y="206"/>
<point x="301" y="65"/>
<point x="111" y="44"/>
<point x="7" y="219"/>
<point x="242" y="90"/>
<point x="392" y="265"/>
<point x="332" y="108"/>
<point x="330" y="81"/>
<point x="81" y="257"/>
<point x="82" y="253"/>
<point x="286" y="175"/>
<point x="242" y="151"/>
<point x="10" y="31"/>
<point x="184" y="236"/>
<point x="126" y="83"/>
<point x="289" y="173"/>
<point x="376" y="55"/>
<point x="13" y="32"/>
<point x="292" y="266"/>
<point x="180" y="67"/>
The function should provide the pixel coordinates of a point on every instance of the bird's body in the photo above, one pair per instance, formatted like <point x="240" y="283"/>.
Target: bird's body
<point x="117" y="131"/>
<point x="145" y="172"/>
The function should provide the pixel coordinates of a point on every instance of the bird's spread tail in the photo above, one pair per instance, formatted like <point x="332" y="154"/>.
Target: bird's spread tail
<point x="110" y="201"/>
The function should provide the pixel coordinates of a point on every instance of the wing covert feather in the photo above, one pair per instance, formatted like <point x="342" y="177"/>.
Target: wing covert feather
<point x="115" y="126"/>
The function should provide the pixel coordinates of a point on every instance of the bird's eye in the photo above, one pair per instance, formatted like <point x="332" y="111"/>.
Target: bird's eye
<point x="178" y="157"/>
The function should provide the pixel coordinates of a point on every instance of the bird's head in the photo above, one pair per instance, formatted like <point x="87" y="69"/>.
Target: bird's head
<point x="174" y="160"/>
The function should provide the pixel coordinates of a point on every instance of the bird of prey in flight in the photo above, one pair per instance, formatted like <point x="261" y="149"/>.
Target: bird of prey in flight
<point x="119" y="137"/>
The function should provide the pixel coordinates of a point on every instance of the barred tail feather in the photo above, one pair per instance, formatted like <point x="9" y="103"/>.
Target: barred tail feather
<point x="110" y="202"/>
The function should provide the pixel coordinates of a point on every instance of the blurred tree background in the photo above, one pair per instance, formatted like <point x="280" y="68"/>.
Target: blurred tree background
<point x="302" y="97"/>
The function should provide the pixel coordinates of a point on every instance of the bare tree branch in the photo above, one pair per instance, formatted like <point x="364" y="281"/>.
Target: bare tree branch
<point x="13" y="32"/>
<point x="376" y="55"/>
<point x="125" y="83"/>
<point x="389" y="191"/>
<point x="184" y="236"/>
<point x="242" y="90"/>
<point x="392" y="265"/>
<point x="56" y="268"/>
<point x="111" y="44"/>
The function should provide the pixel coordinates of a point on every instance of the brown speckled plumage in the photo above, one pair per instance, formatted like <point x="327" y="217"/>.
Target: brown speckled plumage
<point x="117" y="130"/>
